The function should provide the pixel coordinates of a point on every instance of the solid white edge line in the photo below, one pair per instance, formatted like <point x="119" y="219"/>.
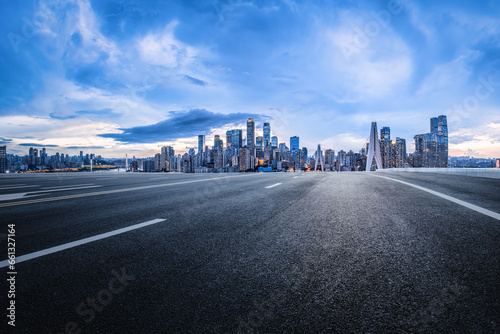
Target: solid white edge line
<point x="68" y="245"/>
<point x="61" y="189"/>
<point x="274" y="185"/>
<point x="468" y="205"/>
<point x="21" y="186"/>
<point x="68" y="186"/>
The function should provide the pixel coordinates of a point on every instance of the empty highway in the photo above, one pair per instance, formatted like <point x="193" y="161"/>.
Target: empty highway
<point x="252" y="253"/>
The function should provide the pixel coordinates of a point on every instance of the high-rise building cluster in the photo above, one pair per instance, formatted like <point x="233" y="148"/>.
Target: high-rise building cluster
<point x="248" y="154"/>
<point x="233" y="153"/>
<point x="236" y="153"/>
<point x="393" y="152"/>
<point x="431" y="150"/>
<point x="39" y="160"/>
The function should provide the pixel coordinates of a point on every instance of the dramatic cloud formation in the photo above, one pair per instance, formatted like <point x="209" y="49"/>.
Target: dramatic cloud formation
<point x="101" y="75"/>
<point x="180" y="125"/>
<point x="37" y="145"/>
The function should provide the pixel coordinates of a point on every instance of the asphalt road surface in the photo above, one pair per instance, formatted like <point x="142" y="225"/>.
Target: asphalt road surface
<point x="251" y="253"/>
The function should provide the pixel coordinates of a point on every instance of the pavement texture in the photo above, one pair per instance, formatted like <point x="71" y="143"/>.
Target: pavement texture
<point x="316" y="253"/>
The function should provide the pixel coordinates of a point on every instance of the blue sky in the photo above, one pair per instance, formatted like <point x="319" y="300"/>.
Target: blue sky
<point x="127" y="76"/>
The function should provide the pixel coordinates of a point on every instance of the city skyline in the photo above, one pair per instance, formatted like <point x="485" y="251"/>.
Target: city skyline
<point x="238" y="154"/>
<point x="218" y="141"/>
<point x="111" y="79"/>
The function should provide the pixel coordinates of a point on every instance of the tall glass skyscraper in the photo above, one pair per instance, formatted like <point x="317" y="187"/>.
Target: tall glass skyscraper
<point x="250" y="133"/>
<point x="304" y="150"/>
<point x="441" y="137"/>
<point x="43" y="156"/>
<point x="259" y="142"/>
<point x="267" y="134"/>
<point x="259" y="148"/>
<point x="274" y="141"/>
<point x="236" y="138"/>
<point x="294" y="144"/>
<point x="201" y="143"/>
<point x="218" y="143"/>
<point x="228" y="138"/>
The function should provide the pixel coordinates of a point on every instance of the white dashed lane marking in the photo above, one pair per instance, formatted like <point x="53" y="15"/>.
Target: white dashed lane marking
<point x="68" y="245"/>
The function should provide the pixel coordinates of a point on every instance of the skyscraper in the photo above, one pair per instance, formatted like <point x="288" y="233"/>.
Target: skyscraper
<point x="331" y="157"/>
<point x="201" y="143"/>
<point x="328" y="154"/>
<point x="399" y="152"/>
<point x="298" y="159"/>
<point x="431" y="149"/>
<point x="267" y="134"/>
<point x="157" y="162"/>
<point x="441" y="137"/>
<point x="342" y="158"/>
<point x="31" y="157"/>
<point x="218" y="143"/>
<point x="228" y="138"/>
<point x="259" y="142"/>
<point x="236" y="138"/>
<point x="274" y="142"/>
<point x="251" y="134"/>
<point x="166" y="155"/>
<point x="3" y="159"/>
<point x="244" y="160"/>
<point x="43" y="156"/>
<point x="385" y="147"/>
<point x="294" y="144"/>
<point x="35" y="157"/>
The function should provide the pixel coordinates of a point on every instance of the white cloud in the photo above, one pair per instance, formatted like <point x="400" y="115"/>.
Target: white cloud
<point x="164" y="49"/>
<point x="79" y="18"/>
<point x="450" y="77"/>
<point x="376" y="69"/>
<point x="89" y="28"/>
<point x="482" y="134"/>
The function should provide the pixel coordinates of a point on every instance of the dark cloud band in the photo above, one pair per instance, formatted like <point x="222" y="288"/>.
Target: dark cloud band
<point x="180" y="125"/>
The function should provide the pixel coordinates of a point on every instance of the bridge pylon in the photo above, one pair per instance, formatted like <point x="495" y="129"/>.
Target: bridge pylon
<point x="319" y="159"/>
<point x="374" y="149"/>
